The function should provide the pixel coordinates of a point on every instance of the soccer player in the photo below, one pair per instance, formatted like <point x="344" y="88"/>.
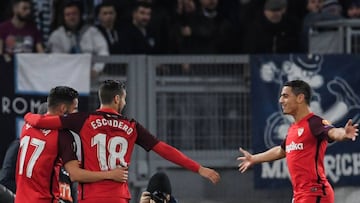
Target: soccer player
<point x="304" y="146"/>
<point x="108" y="139"/>
<point x="41" y="149"/>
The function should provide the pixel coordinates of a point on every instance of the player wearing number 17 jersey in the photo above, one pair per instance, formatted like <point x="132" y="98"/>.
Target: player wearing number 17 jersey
<point x="108" y="139"/>
<point x="41" y="150"/>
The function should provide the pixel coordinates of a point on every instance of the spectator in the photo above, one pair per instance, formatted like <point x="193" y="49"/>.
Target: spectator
<point x="314" y="6"/>
<point x="88" y="8"/>
<point x="332" y="8"/>
<point x="353" y="10"/>
<point x="318" y="11"/>
<point x="19" y="34"/>
<point x="123" y="11"/>
<point x="160" y="22"/>
<point x="297" y="9"/>
<point x="161" y="9"/>
<point x="137" y="37"/>
<point x="205" y="31"/>
<point x="273" y="31"/>
<point x="106" y="16"/>
<point x="185" y="7"/>
<point x="158" y="190"/>
<point x="180" y="30"/>
<point x="74" y="36"/>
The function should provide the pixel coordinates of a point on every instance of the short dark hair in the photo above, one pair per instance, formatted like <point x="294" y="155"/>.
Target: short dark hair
<point x="300" y="87"/>
<point x="109" y="89"/>
<point x="73" y="3"/>
<point x="102" y="5"/>
<point x="139" y="4"/>
<point x="61" y="95"/>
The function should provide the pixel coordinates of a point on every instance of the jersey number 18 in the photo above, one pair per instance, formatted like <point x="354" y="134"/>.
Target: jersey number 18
<point x="116" y="147"/>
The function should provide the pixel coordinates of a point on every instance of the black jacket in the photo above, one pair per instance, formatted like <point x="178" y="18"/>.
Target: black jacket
<point x="6" y="196"/>
<point x="7" y="174"/>
<point x="264" y="37"/>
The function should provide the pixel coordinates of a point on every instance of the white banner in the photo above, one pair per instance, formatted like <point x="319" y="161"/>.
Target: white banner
<point x="38" y="73"/>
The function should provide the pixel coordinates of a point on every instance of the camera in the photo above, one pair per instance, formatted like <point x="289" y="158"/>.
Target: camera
<point x="158" y="197"/>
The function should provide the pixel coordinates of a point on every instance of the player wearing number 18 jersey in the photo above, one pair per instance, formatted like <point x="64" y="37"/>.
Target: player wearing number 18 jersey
<point x="41" y="150"/>
<point x="108" y="139"/>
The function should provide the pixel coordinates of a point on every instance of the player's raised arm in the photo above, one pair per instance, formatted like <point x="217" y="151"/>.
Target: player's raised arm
<point x="43" y="121"/>
<point x="69" y="121"/>
<point x="172" y="154"/>
<point x="249" y="160"/>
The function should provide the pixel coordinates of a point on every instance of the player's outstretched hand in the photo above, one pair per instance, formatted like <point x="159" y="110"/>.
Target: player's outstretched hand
<point x="119" y="174"/>
<point x="246" y="160"/>
<point x="210" y="174"/>
<point x="351" y="130"/>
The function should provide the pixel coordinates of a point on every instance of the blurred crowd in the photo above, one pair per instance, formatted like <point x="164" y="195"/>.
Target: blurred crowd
<point x="104" y="27"/>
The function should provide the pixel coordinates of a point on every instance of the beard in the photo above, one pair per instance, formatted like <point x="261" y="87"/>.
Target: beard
<point x="25" y="18"/>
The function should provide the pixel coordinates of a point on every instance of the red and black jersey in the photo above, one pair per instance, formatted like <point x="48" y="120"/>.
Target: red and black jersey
<point x="305" y="147"/>
<point x="39" y="151"/>
<point x="107" y="141"/>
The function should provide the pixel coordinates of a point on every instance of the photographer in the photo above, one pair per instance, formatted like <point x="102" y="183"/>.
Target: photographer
<point x="158" y="190"/>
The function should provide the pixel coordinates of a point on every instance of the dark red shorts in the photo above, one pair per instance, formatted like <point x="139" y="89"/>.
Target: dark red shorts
<point x="322" y="195"/>
<point x="329" y="198"/>
<point x="107" y="200"/>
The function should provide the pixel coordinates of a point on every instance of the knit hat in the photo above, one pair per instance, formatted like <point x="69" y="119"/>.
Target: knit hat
<point x="275" y="5"/>
<point x="330" y="3"/>
<point x="159" y="182"/>
<point x="332" y="7"/>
